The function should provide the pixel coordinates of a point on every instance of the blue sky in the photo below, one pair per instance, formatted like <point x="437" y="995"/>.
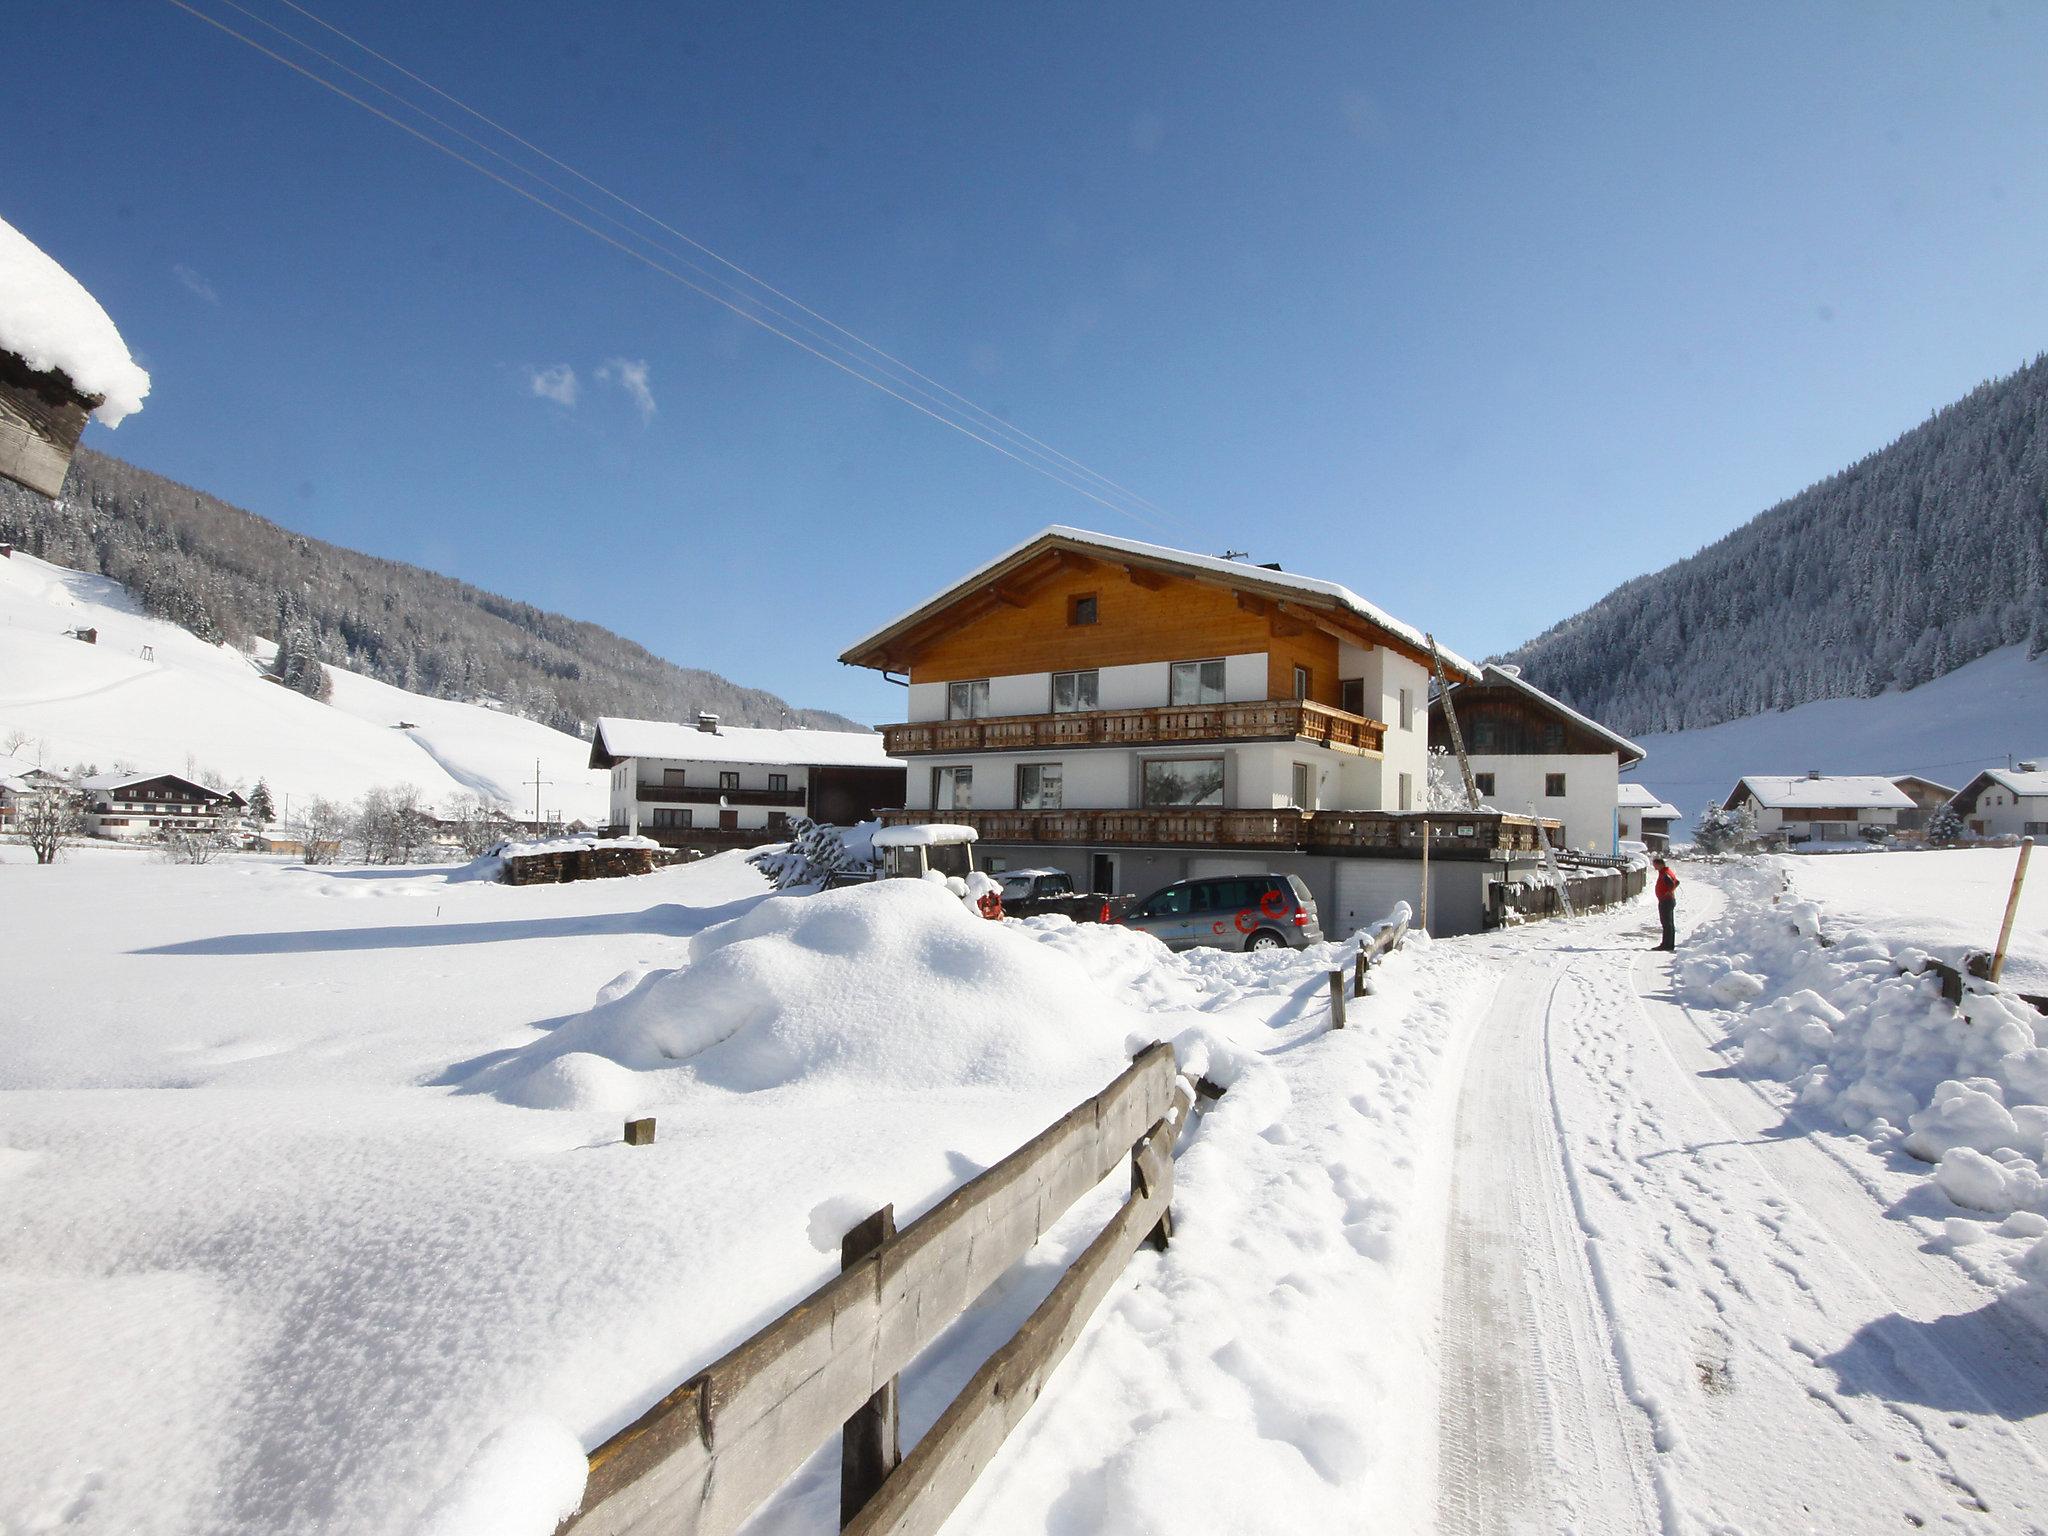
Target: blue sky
<point x="1481" y="309"/>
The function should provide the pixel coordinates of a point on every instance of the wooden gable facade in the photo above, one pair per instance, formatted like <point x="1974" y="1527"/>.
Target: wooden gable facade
<point x="1059" y="608"/>
<point x="42" y="416"/>
<point x="1497" y="720"/>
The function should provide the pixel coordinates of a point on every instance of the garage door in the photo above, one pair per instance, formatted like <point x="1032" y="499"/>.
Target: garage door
<point x="1367" y="890"/>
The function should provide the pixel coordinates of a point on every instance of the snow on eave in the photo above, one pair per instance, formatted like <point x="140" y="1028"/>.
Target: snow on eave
<point x="2026" y="786"/>
<point x="1860" y="792"/>
<point x="51" y="323"/>
<point x="123" y="780"/>
<point x="1640" y="797"/>
<point x="925" y="834"/>
<point x="619" y="737"/>
<point x="1631" y="754"/>
<point x="1237" y="573"/>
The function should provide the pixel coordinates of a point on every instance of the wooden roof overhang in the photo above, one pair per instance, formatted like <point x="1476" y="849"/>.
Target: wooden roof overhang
<point x="1013" y="582"/>
<point x="1470" y="698"/>
<point x="42" y="416"/>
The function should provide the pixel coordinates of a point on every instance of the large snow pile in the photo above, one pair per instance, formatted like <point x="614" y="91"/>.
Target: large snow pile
<point x="1866" y="1041"/>
<point x="52" y="322"/>
<point x="896" y="982"/>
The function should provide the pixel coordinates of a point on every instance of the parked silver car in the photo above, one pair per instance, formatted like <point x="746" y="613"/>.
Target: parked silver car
<point x="1231" y="912"/>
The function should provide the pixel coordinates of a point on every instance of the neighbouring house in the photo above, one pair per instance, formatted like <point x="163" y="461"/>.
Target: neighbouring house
<point x="2005" y="802"/>
<point x="19" y="780"/>
<point x="138" y="806"/>
<point x="709" y="786"/>
<point x="1537" y="755"/>
<point x="1640" y="817"/>
<point x="1927" y="797"/>
<point x="1819" y="807"/>
<point x="1136" y="715"/>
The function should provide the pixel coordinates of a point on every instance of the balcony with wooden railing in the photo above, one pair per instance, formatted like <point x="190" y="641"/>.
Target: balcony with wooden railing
<point x="1395" y="834"/>
<point x="1172" y="724"/>
<point x="704" y="794"/>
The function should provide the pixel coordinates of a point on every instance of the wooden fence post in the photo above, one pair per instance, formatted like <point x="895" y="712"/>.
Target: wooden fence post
<point x="2012" y="908"/>
<point x="1141" y="1188"/>
<point x="1359" y="966"/>
<point x="870" y="1446"/>
<point x="1336" y="999"/>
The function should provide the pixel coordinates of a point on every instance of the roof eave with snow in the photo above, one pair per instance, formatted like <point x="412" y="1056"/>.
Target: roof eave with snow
<point x="872" y="649"/>
<point x="618" y="739"/>
<point x="1630" y="754"/>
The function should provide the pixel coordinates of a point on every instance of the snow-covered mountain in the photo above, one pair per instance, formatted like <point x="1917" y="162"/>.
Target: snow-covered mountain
<point x="148" y="694"/>
<point x="1981" y="715"/>
<point x="1920" y="558"/>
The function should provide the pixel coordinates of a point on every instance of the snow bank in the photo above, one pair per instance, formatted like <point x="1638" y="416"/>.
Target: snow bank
<point x="47" y="317"/>
<point x="1867" y="1042"/>
<point x="892" y="983"/>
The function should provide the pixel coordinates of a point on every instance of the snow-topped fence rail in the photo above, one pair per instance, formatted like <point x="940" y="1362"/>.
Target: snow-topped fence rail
<point x="708" y="1454"/>
<point x="1374" y="944"/>
<point x="1590" y="890"/>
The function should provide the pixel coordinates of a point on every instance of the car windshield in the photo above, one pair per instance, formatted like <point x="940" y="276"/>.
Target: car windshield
<point x="1017" y="887"/>
<point x="1170" y="902"/>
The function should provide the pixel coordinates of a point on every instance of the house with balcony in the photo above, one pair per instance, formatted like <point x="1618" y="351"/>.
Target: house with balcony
<point x="2005" y="802"/>
<point x="707" y="786"/>
<point x="131" y="807"/>
<point x="1819" y="807"/>
<point x="1135" y="715"/>
<point x="1536" y="754"/>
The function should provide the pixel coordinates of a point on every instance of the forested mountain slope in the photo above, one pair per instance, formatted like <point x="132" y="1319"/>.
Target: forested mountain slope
<point x="228" y="575"/>
<point x="1924" y="556"/>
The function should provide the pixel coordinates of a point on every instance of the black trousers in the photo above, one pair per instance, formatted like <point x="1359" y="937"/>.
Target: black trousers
<point x="1665" y="915"/>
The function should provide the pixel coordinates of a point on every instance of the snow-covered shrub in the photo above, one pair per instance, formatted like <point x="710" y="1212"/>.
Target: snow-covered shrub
<point x="815" y="850"/>
<point x="1945" y="826"/>
<point x="1871" y="832"/>
<point x="1719" y="830"/>
<point x="196" y="846"/>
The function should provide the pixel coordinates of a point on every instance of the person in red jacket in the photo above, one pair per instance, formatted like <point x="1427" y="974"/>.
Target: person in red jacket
<point x="1667" y="902"/>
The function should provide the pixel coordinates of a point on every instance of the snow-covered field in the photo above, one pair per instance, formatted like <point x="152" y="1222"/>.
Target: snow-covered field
<point x="319" y="1217"/>
<point x="1945" y="901"/>
<point x="1975" y="717"/>
<point x="190" y="707"/>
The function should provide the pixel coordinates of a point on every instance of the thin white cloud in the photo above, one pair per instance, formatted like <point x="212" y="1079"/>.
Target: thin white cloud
<point x="195" y="283"/>
<point x="630" y="376"/>
<point x="556" y="382"/>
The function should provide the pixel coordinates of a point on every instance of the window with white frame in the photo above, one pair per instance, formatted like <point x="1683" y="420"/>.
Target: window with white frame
<point x="1407" y="709"/>
<point x="1304" y="788"/>
<point x="1073" y="692"/>
<point x="1195" y="682"/>
<point x="952" y="789"/>
<point x="1039" y="786"/>
<point x="1301" y="682"/>
<point x="968" y="700"/>
<point x="1407" y="789"/>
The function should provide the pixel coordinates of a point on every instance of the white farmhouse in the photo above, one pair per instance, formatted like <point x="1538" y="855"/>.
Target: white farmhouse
<point x="1536" y="755"/>
<point x="1818" y="807"/>
<point x="709" y="786"/>
<point x="132" y="807"/>
<point x="2005" y="802"/>
<point x="1641" y="817"/>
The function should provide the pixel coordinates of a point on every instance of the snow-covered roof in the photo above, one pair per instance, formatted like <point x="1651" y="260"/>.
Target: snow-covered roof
<point x="751" y="744"/>
<point x="1250" y="577"/>
<point x="1511" y="677"/>
<point x="2018" y="782"/>
<point x="1826" y="792"/>
<point x="123" y="780"/>
<point x="926" y="834"/>
<point x="52" y="322"/>
<point x="1640" y="797"/>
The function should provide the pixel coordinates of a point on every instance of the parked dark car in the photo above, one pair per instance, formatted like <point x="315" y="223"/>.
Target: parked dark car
<point x="1231" y="912"/>
<point x="1039" y="892"/>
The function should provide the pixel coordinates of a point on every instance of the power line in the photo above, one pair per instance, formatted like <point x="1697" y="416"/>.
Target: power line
<point x="751" y="316"/>
<point x="699" y="245"/>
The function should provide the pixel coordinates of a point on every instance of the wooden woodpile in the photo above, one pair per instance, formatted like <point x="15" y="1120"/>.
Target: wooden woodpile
<point x="559" y="866"/>
<point x="701" y="1460"/>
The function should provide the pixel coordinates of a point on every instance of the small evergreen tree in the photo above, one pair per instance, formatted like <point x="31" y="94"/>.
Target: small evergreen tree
<point x="1944" y="826"/>
<point x="262" y="809"/>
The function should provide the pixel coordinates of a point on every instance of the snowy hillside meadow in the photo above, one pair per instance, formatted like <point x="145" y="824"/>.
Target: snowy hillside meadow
<point x="1975" y="717"/>
<point x="152" y="696"/>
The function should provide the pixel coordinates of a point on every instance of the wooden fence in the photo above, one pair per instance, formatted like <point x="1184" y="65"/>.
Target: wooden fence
<point x="1590" y="890"/>
<point x="1374" y="944"/>
<point x="708" y="1454"/>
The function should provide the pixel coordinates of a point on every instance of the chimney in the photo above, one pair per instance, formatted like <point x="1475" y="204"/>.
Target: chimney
<point x="708" y="723"/>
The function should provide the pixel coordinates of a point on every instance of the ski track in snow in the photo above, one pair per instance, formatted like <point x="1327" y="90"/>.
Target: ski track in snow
<point x="1670" y="1306"/>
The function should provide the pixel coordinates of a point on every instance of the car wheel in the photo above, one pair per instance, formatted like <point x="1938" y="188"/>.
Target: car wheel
<point x="1265" y="938"/>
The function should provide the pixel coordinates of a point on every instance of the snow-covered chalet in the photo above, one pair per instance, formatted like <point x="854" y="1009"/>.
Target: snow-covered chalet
<point x="709" y="786"/>
<point x="1819" y="807"/>
<point x="1136" y="715"/>
<point x="2005" y="802"/>
<point x="1536" y="754"/>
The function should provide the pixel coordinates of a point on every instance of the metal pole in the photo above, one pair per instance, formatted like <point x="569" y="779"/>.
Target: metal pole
<point x="2012" y="909"/>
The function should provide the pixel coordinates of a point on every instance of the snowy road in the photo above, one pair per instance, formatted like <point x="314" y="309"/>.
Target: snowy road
<point x="1668" y="1307"/>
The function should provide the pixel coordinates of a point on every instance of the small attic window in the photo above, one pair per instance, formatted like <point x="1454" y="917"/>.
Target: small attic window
<point x="1081" y="609"/>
